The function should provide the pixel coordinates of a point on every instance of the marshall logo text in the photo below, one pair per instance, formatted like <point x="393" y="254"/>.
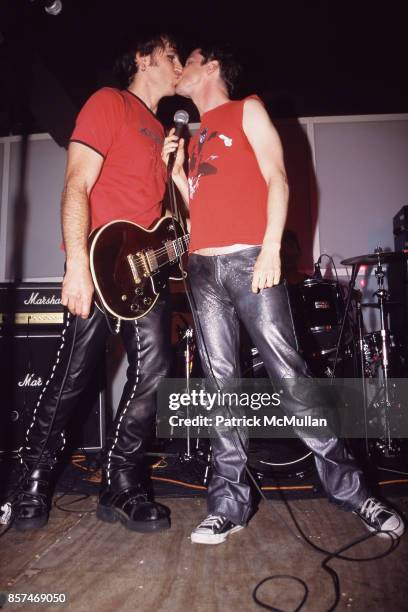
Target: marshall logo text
<point x="36" y="300"/>
<point x="31" y="381"/>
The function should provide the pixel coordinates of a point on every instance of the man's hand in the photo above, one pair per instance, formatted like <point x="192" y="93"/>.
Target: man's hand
<point x="267" y="269"/>
<point x="171" y="144"/>
<point x="77" y="289"/>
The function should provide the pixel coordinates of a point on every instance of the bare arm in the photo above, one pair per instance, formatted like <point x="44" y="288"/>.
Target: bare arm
<point x="267" y="147"/>
<point x="83" y="168"/>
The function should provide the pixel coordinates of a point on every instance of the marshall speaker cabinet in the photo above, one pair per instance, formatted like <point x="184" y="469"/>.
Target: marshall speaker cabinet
<point x="31" y="319"/>
<point x="398" y="283"/>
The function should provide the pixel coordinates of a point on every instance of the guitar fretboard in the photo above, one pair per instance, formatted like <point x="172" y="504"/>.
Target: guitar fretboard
<point x="172" y="250"/>
<point x="176" y="248"/>
<point x="180" y="245"/>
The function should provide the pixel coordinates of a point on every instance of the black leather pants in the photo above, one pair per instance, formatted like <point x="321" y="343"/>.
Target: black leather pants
<point x="147" y="344"/>
<point x="221" y="288"/>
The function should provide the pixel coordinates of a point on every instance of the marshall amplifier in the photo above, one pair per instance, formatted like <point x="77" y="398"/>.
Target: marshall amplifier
<point x="397" y="276"/>
<point x="28" y="348"/>
<point x="31" y="304"/>
<point x="400" y="221"/>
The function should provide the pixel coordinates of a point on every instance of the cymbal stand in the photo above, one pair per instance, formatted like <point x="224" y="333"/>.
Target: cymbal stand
<point x="382" y="297"/>
<point x="360" y="326"/>
<point x="197" y="459"/>
<point x="188" y="337"/>
<point x="202" y="457"/>
<point x="354" y="272"/>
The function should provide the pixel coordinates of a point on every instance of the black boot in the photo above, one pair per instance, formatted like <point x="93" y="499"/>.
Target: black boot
<point x="127" y="496"/>
<point x="126" y="492"/>
<point x="32" y="507"/>
<point x="133" y="509"/>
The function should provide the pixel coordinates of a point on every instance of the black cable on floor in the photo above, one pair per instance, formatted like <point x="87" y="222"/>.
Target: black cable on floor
<point x="336" y="554"/>
<point x="74" y="501"/>
<point x="276" y="577"/>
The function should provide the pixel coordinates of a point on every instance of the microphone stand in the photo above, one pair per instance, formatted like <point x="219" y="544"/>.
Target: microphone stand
<point x="354" y="272"/>
<point x="198" y="457"/>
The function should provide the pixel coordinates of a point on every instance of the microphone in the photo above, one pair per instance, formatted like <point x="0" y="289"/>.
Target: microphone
<point x="317" y="273"/>
<point x="52" y="7"/>
<point x="180" y="120"/>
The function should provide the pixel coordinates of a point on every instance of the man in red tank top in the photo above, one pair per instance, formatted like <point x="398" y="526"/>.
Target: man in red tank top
<point x="114" y="171"/>
<point x="238" y="196"/>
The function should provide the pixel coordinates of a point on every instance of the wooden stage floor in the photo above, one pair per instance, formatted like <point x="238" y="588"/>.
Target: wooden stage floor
<point x="105" y="567"/>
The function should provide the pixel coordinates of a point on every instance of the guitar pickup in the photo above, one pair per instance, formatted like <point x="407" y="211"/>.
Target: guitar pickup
<point x="171" y="251"/>
<point x="151" y="260"/>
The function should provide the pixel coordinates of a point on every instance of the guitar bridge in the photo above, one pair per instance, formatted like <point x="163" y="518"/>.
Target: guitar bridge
<point x="134" y="270"/>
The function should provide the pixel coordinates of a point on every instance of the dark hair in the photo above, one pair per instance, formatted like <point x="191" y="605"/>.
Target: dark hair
<point x="229" y="67"/>
<point x="126" y="67"/>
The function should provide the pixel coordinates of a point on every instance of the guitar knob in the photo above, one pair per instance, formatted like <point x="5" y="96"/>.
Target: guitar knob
<point x="147" y="301"/>
<point x="134" y="307"/>
<point x="138" y="291"/>
<point x="124" y="298"/>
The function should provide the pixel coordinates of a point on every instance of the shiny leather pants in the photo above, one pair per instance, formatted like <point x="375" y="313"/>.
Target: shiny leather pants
<point x="221" y="287"/>
<point x="147" y="344"/>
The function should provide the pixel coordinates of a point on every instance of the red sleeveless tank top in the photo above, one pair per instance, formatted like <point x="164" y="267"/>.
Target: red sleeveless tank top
<point x="228" y="194"/>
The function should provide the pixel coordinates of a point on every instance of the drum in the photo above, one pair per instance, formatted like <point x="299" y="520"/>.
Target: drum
<point x="280" y="458"/>
<point x="277" y="457"/>
<point x="319" y="311"/>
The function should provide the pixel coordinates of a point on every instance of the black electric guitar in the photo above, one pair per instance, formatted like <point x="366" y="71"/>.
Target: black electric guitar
<point x="130" y="265"/>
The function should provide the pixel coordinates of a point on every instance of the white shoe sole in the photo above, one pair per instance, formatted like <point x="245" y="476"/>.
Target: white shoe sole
<point x="207" y="538"/>
<point x="396" y="533"/>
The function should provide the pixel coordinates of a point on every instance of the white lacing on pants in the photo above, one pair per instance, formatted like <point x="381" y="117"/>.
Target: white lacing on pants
<point x="54" y="367"/>
<point x="126" y="406"/>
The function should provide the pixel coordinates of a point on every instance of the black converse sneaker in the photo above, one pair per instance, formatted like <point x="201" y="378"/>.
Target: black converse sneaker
<point x="379" y="517"/>
<point x="214" y="530"/>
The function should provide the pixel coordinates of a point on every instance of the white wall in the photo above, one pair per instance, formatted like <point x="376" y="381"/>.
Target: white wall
<point x="363" y="181"/>
<point x="30" y="208"/>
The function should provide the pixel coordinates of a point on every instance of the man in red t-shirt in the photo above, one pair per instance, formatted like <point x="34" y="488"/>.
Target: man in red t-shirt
<point x="238" y="196"/>
<point x="114" y="171"/>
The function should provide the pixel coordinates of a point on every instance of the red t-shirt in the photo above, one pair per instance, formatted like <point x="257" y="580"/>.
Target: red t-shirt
<point x="123" y="130"/>
<point x="227" y="192"/>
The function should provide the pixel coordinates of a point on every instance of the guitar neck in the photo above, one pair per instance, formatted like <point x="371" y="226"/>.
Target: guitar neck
<point x="172" y="250"/>
<point x="180" y="245"/>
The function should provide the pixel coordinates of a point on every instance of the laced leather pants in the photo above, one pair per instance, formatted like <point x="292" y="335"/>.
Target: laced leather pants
<point x="221" y="287"/>
<point x="147" y="344"/>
